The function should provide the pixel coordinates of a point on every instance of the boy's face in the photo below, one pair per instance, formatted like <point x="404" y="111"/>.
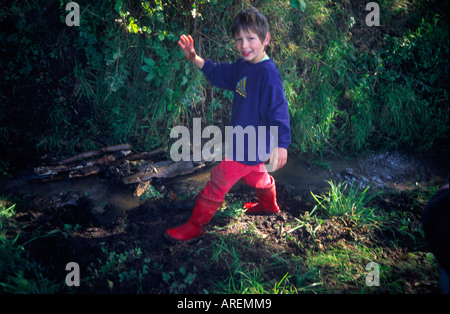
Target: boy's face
<point x="250" y="46"/>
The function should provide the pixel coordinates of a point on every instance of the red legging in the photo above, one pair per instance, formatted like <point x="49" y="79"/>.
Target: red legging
<point x="228" y="172"/>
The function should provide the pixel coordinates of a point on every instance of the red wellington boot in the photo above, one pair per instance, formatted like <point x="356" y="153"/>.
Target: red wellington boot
<point x="203" y="212"/>
<point x="267" y="201"/>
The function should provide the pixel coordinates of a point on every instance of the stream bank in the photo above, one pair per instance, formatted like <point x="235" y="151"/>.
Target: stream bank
<point x="397" y="171"/>
<point x="118" y="240"/>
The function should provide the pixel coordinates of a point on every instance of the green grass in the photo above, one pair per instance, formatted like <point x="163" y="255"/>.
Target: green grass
<point x="341" y="200"/>
<point x="249" y="277"/>
<point x="322" y="251"/>
<point x="18" y="275"/>
<point x="341" y="237"/>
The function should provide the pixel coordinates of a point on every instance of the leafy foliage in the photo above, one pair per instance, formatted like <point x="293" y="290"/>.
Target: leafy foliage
<point x="121" y="77"/>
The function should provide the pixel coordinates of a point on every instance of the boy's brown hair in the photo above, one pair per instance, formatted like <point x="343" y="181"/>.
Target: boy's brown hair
<point x="250" y="19"/>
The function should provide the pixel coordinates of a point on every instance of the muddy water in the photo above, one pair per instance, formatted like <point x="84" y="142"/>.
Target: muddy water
<point x="107" y="200"/>
<point x="391" y="170"/>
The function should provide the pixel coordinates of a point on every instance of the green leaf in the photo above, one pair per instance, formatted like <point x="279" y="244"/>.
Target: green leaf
<point x="147" y="68"/>
<point x="150" y="77"/>
<point x="118" y="6"/>
<point x="166" y="277"/>
<point x="150" y="68"/>
<point x="149" y="61"/>
<point x="294" y="4"/>
<point x="298" y="4"/>
<point x="302" y="5"/>
<point x="190" y="278"/>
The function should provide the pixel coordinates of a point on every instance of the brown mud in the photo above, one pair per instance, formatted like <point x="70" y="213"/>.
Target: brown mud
<point x="124" y="251"/>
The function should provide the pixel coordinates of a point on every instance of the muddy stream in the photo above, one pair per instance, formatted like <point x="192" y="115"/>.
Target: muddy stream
<point x="397" y="170"/>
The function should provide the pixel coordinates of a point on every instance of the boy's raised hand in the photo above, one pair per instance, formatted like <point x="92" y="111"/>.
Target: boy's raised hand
<point x="187" y="44"/>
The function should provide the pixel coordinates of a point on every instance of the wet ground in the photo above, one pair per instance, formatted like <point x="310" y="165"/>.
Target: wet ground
<point x="398" y="170"/>
<point x="101" y="226"/>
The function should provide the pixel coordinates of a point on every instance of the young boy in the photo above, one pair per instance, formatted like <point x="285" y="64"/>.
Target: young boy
<point x="259" y="101"/>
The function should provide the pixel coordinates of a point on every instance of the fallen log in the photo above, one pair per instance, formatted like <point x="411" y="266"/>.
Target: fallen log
<point x="145" y="155"/>
<point x="175" y="169"/>
<point x="163" y="169"/>
<point x="67" y="164"/>
<point x="166" y="169"/>
<point x="87" y="171"/>
<point x="139" y="165"/>
<point x="52" y="170"/>
<point x="92" y="153"/>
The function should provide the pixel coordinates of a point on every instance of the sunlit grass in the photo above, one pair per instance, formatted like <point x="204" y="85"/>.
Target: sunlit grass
<point x="335" y="262"/>
<point x="341" y="200"/>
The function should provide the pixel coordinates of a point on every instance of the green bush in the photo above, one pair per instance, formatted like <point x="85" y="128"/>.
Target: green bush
<point x="345" y="95"/>
<point x="121" y="77"/>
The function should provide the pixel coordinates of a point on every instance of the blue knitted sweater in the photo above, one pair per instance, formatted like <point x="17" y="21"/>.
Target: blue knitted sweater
<point x="259" y="103"/>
